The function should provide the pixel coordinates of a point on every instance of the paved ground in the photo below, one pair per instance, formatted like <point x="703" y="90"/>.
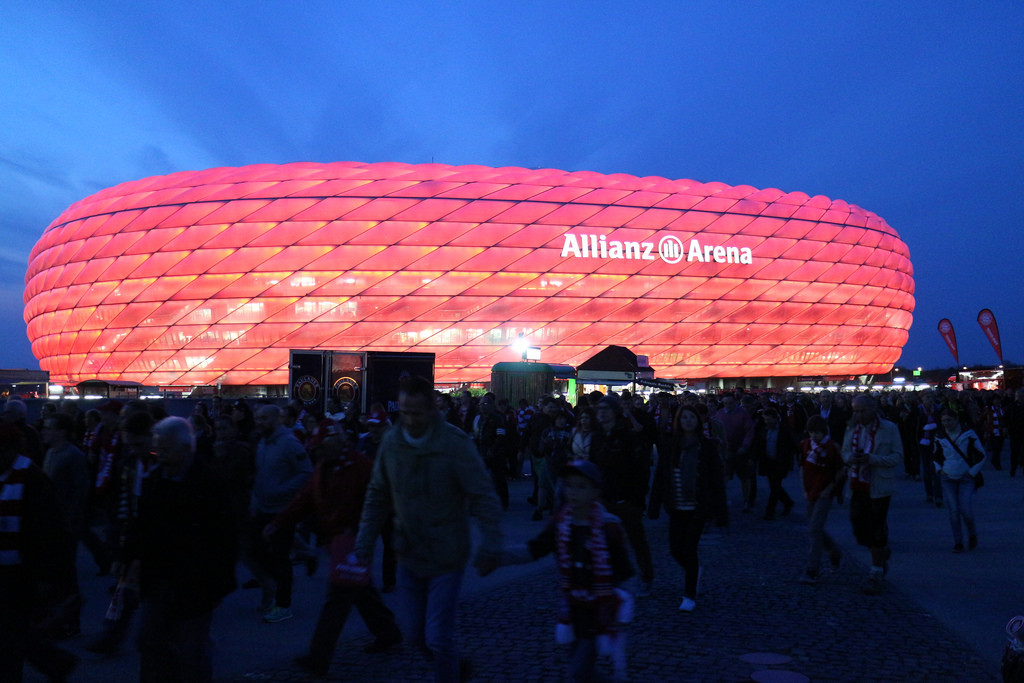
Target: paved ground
<point x="941" y="617"/>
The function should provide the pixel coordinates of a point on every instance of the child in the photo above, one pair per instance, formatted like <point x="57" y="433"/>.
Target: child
<point x="590" y="549"/>
<point x="822" y="467"/>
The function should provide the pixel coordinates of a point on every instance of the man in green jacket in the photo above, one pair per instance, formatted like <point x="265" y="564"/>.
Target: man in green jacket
<point x="430" y="475"/>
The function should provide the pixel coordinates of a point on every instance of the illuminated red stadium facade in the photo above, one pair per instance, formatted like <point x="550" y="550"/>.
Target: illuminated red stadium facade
<point x="208" y="277"/>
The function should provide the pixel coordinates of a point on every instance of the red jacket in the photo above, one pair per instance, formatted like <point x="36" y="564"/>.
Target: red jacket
<point x="334" y="494"/>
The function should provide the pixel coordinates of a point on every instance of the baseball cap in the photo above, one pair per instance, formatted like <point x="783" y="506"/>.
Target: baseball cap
<point x="583" y="468"/>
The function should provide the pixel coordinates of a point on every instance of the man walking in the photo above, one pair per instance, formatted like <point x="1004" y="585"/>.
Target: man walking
<point x="873" y="450"/>
<point x="282" y="468"/>
<point x="624" y="459"/>
<point x="739" y="436"/>
<point x="184" y="555"/>
<point x="66" y="466"/>
<point x="429" y="474"/>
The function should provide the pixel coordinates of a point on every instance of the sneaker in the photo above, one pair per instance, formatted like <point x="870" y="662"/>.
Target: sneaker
<point x="687" y="605"/>
<point x="958" y="548"/>
<point x="972" y="542"/>
<point x="645" y="590"/>
<point x="277" y="614"/>
<point x="809" y="577"/>
<point x="306" y="663"/>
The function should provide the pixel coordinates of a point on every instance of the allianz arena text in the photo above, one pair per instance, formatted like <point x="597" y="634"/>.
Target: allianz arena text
<point x="207" y="277"/>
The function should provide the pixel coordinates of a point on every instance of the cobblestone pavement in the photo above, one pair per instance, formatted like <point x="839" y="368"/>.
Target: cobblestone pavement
<point x="750" y="602"/>
<point x="940" y="618"/>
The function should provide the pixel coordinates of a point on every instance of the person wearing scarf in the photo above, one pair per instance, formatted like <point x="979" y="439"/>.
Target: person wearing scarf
<point x="592" y="556"/>
<point x="822" y="467"/>
<point x="334" y="497"/>
<point x="872" y="449"/>
<point x="34" y="564"/>
<point x="958" y="458"/>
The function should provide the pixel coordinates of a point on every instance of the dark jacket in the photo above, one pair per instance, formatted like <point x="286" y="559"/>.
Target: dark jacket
<point x="41" y="541"/>
<point x="785" y="451"/>
<point x="186" y="541"/>
<point x="624" y="461"/>
<point x="711" y="500"/>
<point x="491" y="437"/>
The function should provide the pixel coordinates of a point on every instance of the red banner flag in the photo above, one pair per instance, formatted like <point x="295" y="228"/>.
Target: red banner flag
<point x="987" y="320"/>
<point x="946" y="330"/>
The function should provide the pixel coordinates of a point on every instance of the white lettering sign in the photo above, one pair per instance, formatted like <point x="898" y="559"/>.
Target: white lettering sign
<point x="670" y="249"/>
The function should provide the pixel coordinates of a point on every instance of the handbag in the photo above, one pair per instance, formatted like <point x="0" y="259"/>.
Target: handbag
<point x="345" y="569"/>
<point x="979" y="480"/>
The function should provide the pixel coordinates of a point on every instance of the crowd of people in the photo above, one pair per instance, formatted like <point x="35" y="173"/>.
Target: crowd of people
<point x="173" y="508"/>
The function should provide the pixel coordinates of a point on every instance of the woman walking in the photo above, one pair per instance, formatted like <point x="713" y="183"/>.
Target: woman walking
<point x="959" y="457"/>
<point x="690" y="484"/>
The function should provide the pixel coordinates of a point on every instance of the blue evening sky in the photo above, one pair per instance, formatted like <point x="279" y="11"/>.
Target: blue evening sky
<point x="912" y="110"/>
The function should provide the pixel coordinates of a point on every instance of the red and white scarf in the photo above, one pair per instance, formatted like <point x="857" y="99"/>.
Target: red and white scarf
<point x="12" y="489"/>
<point x="816" y="455"/>
<point x="863" y="440"/>
<point x="602" y="589"/>
<point x="600" y="559"/>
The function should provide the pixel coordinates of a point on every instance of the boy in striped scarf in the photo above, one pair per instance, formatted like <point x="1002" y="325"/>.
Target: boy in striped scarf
<point x="590" y="549"/>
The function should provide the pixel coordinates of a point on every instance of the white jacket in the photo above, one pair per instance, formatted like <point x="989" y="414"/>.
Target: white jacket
<point x="953" y="465"/>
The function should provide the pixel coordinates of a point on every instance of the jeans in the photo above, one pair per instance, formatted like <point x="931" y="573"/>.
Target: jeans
<point x="776" y="472"/>
<point x="632" y="516"/>
<point x="932" y="487"/>
<point x="273" y="555"/>
<point x="684" y="530"/>
<point x="20" y="643"/>
<point x="340" y="600"/>
<point x="817" y="514"/>
<point x="583" y="660"/>
<point x="960" y="501"/>
<point x="995" y="451"/>
<point x="1016" y="453"/>
<point x="429" y="604"/>
<point x="173" y="648"/>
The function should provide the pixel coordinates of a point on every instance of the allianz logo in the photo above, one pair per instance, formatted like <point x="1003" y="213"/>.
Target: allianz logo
<point x="669" y="249"/>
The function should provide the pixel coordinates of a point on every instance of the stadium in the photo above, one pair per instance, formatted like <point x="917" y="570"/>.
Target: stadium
<point x="211" y="277"/>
